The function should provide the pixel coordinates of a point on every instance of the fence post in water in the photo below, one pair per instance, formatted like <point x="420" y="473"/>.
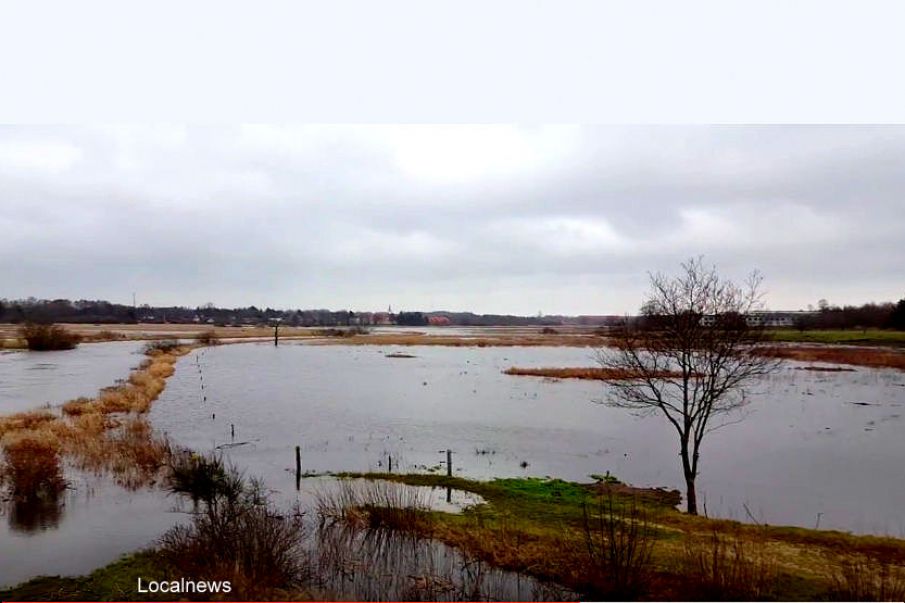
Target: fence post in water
<point x="389" y="463"/>
<point x="276" y="334"/>
<point x="298" y="463"/>
<point x="232" y="430"/>
<point x="449" y="463"/>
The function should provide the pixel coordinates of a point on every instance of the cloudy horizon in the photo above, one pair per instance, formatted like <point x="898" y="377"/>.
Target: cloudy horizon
<point x="491" y="219"/>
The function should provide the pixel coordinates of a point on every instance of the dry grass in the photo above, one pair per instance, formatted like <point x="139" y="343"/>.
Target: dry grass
<point x="32" y="465"/>
<point x="25" y="421"/>
<point x="484" y="341"/>
<point x="856" y="356"/>
<point x="726" y="565"/>
<point x="600" y="374"/>
<point x="866" y="578"/>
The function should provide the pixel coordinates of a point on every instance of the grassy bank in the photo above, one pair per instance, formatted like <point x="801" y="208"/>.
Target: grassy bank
<point x="841" y="336"/>
<point x="556" y="530"/>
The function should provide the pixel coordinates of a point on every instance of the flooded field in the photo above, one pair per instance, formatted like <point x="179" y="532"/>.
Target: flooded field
<point x="834" y="453"/>
<point x="834" y="457"/>
<point x="31" y="379"/>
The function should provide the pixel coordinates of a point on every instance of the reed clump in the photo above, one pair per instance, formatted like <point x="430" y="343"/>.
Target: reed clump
<point x="32" y="465"/>
<point x="25" y="421"/>
<point x="42" y="338"/>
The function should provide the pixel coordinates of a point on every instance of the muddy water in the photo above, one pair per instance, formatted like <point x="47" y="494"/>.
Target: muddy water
<point x="824" y="447"/>
<point x="32" y="379"/>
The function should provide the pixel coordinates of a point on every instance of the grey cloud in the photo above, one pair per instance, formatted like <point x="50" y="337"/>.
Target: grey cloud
<point x="489" y="218"/>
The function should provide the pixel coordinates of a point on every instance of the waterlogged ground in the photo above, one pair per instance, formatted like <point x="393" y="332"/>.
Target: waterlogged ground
<point x="815" y="446"/>
<point x="31" y="379"/>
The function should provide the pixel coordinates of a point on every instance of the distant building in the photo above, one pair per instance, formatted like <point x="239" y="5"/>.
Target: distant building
<point x="438" y="321"/>
<point x="767" y="318"/>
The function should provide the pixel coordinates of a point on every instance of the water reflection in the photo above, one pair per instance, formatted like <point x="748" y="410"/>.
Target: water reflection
<point x="35" y="515"/>
<point x="387" y="565"/>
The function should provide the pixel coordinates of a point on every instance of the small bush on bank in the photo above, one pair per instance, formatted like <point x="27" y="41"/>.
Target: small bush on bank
<point x="160" y="346"/>
<point x="237" y="534"/>
<point x="44" y="338"/>
<point x="618" y="542"/>
<point x="208" y="337"/>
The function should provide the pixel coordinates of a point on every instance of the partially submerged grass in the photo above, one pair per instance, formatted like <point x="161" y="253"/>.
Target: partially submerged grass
<point x="851" y="355"/>
<point x="108" y="433"/>
<point x="595" y="373"/>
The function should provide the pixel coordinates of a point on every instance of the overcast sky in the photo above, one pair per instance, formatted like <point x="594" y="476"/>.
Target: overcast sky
<point x="503" y="219"/>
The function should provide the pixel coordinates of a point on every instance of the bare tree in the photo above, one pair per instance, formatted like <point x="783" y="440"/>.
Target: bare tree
<point x="689" y="356"/>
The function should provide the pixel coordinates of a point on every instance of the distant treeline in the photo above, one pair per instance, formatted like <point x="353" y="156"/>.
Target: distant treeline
<point x="879" y="316"/>
<point x="827" y="316"/>
<point x="103" y="312"/>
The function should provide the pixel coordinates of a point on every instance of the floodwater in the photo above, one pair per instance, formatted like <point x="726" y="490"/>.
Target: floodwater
<point x="32" y="379"/>
<point x="93" y="523"/>
<point x="816" y="448"/>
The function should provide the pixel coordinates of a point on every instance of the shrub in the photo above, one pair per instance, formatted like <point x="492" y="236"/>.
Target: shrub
<point x="237" y="535"/>
<point x="618" y="544"/>
<point x="208" y="337"/>
<point x="160" y="346"/>
<point x="42" y="338"/>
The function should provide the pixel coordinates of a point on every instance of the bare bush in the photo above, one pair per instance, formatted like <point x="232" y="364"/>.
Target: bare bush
<point x="236" y="534"/>
<point x="618" y="543"/>
<point x="728" y="567"/>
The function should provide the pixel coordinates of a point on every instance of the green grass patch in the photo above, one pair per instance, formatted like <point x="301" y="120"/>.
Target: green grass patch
<point x="115" y="582"/>
<point x="841" y="336"/>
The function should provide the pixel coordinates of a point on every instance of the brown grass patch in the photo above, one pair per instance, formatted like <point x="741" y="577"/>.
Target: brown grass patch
<point x="600" y="374"/>
<point x="25" y="421"/>
<point x="855" y="356"/>
<point x="510" y="340"/>
<point x="32" y="467"/>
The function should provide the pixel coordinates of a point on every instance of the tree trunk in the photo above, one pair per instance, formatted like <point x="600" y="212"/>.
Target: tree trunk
<point x="691" y="495"/>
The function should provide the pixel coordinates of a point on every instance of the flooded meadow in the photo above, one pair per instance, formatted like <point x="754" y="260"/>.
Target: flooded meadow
<point x="814" y="449"/>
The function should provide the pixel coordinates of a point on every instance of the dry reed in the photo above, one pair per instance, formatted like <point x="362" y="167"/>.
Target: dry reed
<point x="600" y="374"/>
